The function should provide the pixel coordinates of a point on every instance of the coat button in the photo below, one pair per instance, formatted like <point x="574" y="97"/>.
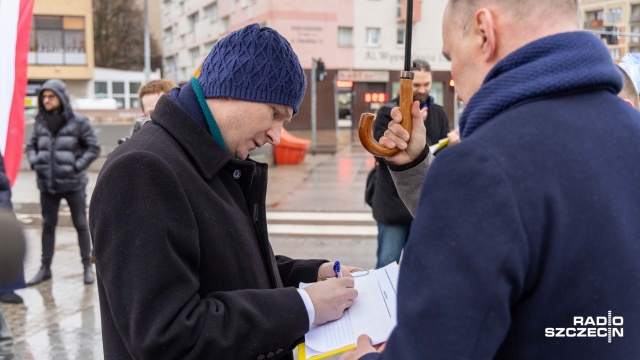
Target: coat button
<point x="236" y="174"/>
<point x="270" y="355"/>
<point x="261" y="357"/>
<point x="279" y="351"/>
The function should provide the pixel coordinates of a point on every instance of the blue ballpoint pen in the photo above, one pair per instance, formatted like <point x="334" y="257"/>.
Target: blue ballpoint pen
<point x="337" y="269"/>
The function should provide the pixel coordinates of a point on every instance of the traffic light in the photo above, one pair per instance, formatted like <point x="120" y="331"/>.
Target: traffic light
<point x="320" y="71"/>
<point x="452" y="85"/>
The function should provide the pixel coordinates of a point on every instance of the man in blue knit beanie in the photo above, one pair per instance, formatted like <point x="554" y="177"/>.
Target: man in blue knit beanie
<point x="526" y="239"/>
<point x="178" y="218"/>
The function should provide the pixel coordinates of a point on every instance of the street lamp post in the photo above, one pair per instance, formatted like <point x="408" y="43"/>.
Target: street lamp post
<point x="147" y="50"/>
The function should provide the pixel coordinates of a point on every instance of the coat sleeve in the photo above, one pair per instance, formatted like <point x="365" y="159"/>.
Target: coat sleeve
<point x="464" y="265"/>
<point x="32" y="146"/>
<point x="147" y="261"/>
<point x="90" y="143"/>
<point x="408" y="181"/>
<point x="292" y="272"/>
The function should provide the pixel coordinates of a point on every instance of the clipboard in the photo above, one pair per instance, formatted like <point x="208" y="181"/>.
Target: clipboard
<point x="373" y="313"/>
<point x="439" y="146"/>
<point x="302" y="353"/>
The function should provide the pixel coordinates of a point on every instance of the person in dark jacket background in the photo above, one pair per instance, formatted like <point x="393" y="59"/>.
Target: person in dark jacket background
<point x="62" y="146"/>
<point x="392" y="216"/>
<point x="527" y="231"/>
<point x="7" y="294"/>
<point x="12" y="250"/>
<point x="185" y="269"/>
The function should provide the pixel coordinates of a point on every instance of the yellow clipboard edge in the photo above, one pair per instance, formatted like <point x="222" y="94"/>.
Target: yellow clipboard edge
<point x="439" y="146"/>
<point x="302" y="355"/>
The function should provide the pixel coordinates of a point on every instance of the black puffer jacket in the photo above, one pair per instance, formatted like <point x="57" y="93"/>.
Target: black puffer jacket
<point x="61" y="161"/>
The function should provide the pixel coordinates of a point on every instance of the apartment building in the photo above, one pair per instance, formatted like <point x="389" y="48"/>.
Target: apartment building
<point x="61" y="45"/>
<point x="619" y="19"/>
<point x="361" y="43"/>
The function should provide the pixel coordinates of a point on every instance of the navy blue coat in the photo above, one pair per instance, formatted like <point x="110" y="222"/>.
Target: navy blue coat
<point x="555" y="215"/>
<point x="532" y="220"/>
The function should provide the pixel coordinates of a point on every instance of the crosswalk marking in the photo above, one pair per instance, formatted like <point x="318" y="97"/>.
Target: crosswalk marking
<point x="352" y="224"/>
<point x="319" y="216"/>
<point x="322" y="230"/>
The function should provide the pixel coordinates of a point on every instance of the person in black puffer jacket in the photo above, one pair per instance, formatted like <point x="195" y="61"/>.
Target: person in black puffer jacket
<point x="62" y="147"/>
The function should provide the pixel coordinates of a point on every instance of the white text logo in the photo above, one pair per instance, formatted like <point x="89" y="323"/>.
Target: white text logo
<point x="599" y="326"/>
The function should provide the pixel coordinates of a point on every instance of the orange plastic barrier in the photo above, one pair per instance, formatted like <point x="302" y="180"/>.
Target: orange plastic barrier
<point x="291" y="150"/>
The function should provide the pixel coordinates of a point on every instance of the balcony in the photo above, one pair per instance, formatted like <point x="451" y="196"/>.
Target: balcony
<point x="594" y="24"/>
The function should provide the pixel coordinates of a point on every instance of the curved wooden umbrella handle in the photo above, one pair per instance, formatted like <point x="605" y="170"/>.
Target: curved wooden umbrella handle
<point x="366" y="122"/>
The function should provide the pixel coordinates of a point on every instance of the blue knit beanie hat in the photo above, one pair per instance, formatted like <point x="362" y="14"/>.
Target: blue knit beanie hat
<point x="255" y="64"/>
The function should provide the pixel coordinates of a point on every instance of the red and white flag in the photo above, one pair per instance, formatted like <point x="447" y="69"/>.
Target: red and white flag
<point x="15" y="29"/>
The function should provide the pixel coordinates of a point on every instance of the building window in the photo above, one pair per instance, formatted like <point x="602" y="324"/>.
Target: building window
<point x="437" y="91"/>
<point x="595" y="15"/>
<point x="399" y="9"/>
<point x="635" y="30"/>
<point x="134" y="102"/>
<point x="117" y="90"/>
<point x="168" y="34"/>
<point x="345" y="36"/>
<point x="194" y="55"/>
<point x="57" y="40"/>
<point x="615" y="54"/>
<point x="373" y="37"/>
<point x="400" y="37"/>
<point x="100" y="89"/>
<point x="211" y="12"/>
<point x="635" y="12"/>
<point x="225" y="26"/>
<point x="193" y="20"/>
<point x="615" y="15"/>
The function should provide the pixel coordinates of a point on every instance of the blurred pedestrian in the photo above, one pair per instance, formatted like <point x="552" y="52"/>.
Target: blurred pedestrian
<point x="149" y="94"/>
<point x="12" y="244"/>
<point x="16" y="281"/>
<point x="178" y="217"/>
<point x="62" y="146"/>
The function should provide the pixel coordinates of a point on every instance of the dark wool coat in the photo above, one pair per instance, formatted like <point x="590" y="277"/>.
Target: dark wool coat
<point x="61" y="161"/>
<point x="387" y="207"/>
<point x="184" y="265"/>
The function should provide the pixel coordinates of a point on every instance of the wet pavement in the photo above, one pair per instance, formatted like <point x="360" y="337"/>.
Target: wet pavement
<point x="315" y="210"/>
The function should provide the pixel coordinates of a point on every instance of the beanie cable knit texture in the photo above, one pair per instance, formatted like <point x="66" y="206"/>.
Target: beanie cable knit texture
<point x="254" y="64"/>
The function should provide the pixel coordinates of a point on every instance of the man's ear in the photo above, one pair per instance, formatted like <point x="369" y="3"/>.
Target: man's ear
<point x="628" y="102"/>
<point x="485" y="32"/>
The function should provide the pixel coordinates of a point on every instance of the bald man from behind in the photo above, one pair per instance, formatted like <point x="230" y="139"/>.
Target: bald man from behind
<point x="527" y="231"/>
